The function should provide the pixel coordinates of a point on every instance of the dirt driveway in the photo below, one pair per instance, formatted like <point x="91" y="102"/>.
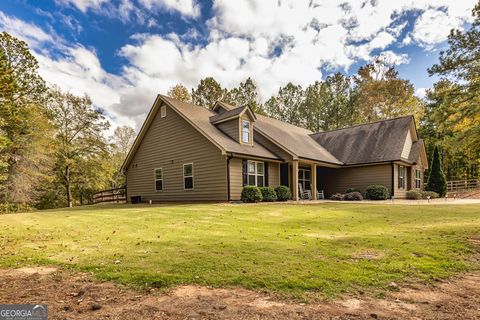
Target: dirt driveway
<point x="79" y="296"/>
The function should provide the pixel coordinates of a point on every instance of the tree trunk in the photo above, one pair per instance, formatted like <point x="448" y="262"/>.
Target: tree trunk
<point x="68" y="187"/>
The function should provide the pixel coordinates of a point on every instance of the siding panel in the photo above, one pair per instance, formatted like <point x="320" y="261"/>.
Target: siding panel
<point x="339" y="180"/>
<point x="168" y="144"/>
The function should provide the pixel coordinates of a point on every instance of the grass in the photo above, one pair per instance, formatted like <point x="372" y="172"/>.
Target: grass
<point x="296" y="250"/>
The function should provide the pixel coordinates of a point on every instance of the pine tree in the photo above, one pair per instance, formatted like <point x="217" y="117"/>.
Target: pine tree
<point x="436" y="180"/>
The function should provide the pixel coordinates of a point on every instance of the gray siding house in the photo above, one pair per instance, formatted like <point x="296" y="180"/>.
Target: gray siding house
<point x="186" y="152"/>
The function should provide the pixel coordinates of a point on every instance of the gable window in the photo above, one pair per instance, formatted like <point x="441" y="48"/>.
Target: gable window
<point x="401" y="177"/>
<point x="245" y="131"/>
<point x="418" y="178"/>
<point x="188" y="176"/>
<point x="158" y="179"/>
<point x="256" y="173"/>
<point x="163" y="111"/>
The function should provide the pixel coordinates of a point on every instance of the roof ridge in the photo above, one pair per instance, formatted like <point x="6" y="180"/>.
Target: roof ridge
<point x="363" y="124"/>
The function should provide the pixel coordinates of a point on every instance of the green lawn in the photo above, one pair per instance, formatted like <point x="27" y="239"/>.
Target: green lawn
<point x="297" y="250"/>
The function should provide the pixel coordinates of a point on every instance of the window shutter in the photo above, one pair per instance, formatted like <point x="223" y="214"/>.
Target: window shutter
<point x="265" y="173"/>
<point x="244" y="172"/>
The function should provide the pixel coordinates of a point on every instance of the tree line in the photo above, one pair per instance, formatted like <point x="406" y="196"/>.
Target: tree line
<point x="54" y="150"/>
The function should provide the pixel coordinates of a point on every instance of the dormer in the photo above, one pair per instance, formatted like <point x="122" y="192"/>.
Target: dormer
<point x="237" y="123"/>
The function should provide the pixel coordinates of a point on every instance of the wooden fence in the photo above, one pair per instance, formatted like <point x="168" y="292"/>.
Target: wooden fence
<point x="462" y="185"/>
<point x="118" y="195"/>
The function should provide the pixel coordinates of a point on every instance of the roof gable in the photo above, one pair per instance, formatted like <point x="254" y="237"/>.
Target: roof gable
<point x="199" y="118"/>
<point x="233" y="114"/>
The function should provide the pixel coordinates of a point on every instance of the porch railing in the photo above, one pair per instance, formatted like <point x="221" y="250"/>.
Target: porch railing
<point x="457" y="185"/>
<point x="117" y="195"/>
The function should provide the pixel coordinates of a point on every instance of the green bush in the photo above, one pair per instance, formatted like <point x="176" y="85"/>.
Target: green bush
<point x="251" y="194"/>
<point x="268" y="194"/>
<point x="436" y="180"/>
<point x="283" y="193"/>
<point x="349" y="190"/>
<point x="337" y="197"/>
<point x="14" y="208"/>
<point x="353" y="196"/>
<point x="414" y="195"/>
<point x="426" y="194"/>
<point x="377" y="192"/>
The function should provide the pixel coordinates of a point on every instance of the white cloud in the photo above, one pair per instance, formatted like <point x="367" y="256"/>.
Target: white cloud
<point x="83" y="5"/>
<point x="28" y="32"/>
<point x="421" y="92"/>
<point x="272" y="41"/>
<point x="127" y="8"/>
<point x="187" y="8"/>
<point x="433" y="27"/>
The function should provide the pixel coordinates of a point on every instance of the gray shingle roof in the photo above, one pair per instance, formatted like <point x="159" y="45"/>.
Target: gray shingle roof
<point x="367" y="143"/>
<point x="217" y="118"/>
<point x="200" y="117"/>
<point x="417" y="146"/>
<point x="295" y="139"/>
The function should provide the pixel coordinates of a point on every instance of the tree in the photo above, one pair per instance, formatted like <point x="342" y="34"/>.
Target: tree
<point x="120" y="144"/>
<point x="208" y="92"/>
<point x="180" y="92"/>
<point x="288" y="105"/>
<point x="459" y="64"/>
<point x="328" y="104"/>
<point x="436" y="179"/>
<point x="245" y="94"/>
<point x="24" y="125"/>
<point x="380" y="94"/>
<point x="79" y="135"/>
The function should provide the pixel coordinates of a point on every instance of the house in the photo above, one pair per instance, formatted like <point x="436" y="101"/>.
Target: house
<point x="185" y="152"/>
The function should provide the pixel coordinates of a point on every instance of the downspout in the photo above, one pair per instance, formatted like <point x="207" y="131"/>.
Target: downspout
<point x="393" y="177"/>
<point x="126" y="188"/>
<point x="228" y="176"/>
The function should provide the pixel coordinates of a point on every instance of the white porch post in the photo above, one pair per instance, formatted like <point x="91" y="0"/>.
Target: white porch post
<point x="314" y="181"/>
<point x="295" y="180"/>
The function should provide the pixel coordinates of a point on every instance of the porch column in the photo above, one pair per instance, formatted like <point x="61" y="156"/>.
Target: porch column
<point x="295" y="181"/>
<point x="314" y="181"/>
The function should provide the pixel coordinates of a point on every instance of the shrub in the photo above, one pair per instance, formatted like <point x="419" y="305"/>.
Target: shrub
<point x="377" y="192"/>
<point x="283" y="193"/>
<point x="432" y="194"/>
<point x="337" y="197"/>
<point x="353" y="196"/>
<point x="414" y="195"/>
<point x="352" y="190"/>
<point x="251" y="194"/>
<point x="14" y="208"/>
<point x="436" y="180"/>
<point x="268" y="194"/>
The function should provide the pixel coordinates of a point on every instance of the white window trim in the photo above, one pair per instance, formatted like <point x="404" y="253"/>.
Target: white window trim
<point x="249" y="131"/>
<point x="192" y="176"/>
<point x="419" y="178"/>
<point x="401" y="176"/>
<point x="256" y="174"/>
<point x="163" y="111"/>
<point x="155" y="180"/>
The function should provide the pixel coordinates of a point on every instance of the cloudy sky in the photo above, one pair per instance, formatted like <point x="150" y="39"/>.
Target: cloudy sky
<point x="122" y="53"/>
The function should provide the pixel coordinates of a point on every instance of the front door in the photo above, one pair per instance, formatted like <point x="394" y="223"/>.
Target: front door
<point x="304" y="178"/>
<point x="284" y="174"/>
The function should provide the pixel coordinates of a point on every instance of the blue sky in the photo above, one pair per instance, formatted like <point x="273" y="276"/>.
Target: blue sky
<point x="121" y="53"/>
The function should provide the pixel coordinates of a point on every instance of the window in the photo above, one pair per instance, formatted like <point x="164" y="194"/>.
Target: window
<point x="163" y="111"/>
<point x="188" y="176"/>
<point x="304" y="178"/>
<point x="401" y="177"/>
<point x="256" y="173"/>
<point x="158" y="179"/>
<point x="245" y="131"/>
<point x="418" y="179"/>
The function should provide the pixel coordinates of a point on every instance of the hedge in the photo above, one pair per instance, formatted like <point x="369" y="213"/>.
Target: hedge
<point x="251" y="194"/>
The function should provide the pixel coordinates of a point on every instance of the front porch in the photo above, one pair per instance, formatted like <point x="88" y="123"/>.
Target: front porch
<point x="301" y="176"/>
